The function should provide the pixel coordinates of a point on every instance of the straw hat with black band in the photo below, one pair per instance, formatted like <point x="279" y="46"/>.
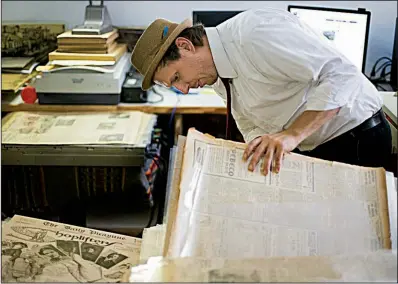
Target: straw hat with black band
<point x="152" y="45"/>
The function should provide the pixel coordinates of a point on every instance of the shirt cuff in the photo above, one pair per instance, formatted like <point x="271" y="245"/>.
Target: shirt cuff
<point x="316" y="104"/>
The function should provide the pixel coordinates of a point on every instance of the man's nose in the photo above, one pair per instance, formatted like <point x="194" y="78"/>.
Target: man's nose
<point x="182" y="87"/>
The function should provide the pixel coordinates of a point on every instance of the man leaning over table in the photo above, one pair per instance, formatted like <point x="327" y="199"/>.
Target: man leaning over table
<point x="290" y="88"/>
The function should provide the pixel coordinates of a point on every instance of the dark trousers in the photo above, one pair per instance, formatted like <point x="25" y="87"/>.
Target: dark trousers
<point x="362" y="146"/>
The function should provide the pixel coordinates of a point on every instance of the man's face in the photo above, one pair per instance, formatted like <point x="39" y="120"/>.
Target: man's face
<point x="112" y="257"/>
<point x="52" y="254"/>
<point x="194" y="69"/>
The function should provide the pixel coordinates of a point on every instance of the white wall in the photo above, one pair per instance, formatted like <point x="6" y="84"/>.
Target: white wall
<point x="142" y="13"/>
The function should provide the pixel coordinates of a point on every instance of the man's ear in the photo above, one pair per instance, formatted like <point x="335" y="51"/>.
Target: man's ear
<point x="184" y="44"/>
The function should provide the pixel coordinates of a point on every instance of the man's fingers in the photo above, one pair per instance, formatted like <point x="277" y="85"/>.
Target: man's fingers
<point x="250" y="148"/>
<point x="278" y="159"/>
<point x="257" y="155"/>
<point x="268" y="160"/>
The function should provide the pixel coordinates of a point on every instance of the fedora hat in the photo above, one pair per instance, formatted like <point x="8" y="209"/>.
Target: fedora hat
<point x="152" y="45"/>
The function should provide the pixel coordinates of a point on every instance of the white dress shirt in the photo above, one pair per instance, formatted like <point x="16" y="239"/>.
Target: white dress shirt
<point x="280" y="67"/>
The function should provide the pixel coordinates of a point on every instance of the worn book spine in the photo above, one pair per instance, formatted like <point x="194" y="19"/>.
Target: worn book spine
<point x="68" y="38"/>
<point x="92" y="49"/>
<point x="114" y="56"/>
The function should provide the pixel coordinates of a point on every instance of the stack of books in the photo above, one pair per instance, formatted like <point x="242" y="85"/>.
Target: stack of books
<point x="18" y="65"/>
<point x="103" y="48"/>
<point x="16" y="73"/>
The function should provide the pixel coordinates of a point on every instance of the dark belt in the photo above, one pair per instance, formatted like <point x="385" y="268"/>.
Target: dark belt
<point x="371" y="122"/>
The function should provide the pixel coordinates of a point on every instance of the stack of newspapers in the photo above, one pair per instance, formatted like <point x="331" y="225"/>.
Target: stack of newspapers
<point x="315" y="221"/>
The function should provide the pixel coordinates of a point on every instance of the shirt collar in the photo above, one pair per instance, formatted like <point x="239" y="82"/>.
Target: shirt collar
<point x="223" y="65"/>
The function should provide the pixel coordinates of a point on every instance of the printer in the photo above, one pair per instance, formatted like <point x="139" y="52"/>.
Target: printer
<point x="101" y="85"/>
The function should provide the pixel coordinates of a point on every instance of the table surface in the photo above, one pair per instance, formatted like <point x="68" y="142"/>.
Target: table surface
<point x="203" y="101"/>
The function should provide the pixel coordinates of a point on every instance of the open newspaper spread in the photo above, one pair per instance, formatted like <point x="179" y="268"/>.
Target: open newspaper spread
<point x="311" y="208"/>
<point x="35" y="250"/>
<point x="124" y="128"/>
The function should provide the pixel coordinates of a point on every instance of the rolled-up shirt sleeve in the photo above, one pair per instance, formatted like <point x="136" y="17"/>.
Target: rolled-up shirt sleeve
<point x="248" y="129"/>
<point x="284" y="50"/>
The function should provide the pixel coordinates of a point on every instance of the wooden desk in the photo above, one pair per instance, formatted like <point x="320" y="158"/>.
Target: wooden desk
<point x="390" y="101"/>
<point x="204" y="102"/>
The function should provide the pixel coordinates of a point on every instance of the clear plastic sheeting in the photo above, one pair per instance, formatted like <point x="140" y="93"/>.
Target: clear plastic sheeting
<point x="311" y="208"/>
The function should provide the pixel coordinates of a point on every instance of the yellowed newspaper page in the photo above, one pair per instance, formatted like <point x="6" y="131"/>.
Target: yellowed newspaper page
<point x="144" y="134"/>
<point x="76" y="128"/>
<point x="35" y="250"/>
<point x="171" y="212"/>
<point x="380" y="266"/>
<point x="310" y="208"/>
<point x="152" y="242"/>
<point x="392" y="208"/>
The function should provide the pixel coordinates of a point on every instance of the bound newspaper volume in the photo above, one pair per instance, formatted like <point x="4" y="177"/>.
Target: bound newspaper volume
<point x="312" y="207"/>
<point x="221" y="217"/>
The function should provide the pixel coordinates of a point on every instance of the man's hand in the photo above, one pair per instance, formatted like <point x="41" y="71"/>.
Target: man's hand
<point x="272" y="147"/>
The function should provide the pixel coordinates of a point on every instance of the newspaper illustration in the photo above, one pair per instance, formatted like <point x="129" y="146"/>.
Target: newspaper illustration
<point x="380" y="266"/>
<point x="226" y="211"/>
<point x="130" y="128"/>
<point x="35" y="250"/>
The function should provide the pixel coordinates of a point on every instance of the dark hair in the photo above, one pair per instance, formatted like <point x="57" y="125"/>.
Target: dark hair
<point x="194" y="34"/>
<point x="112" y="254"/>
<point x="19" y="243"/>
<point x="41" y="251"/>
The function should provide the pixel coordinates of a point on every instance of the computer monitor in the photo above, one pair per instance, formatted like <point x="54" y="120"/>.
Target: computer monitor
<point x="394" y="63"/>
<point x="212" y="18"/>
<point x="348" y="29"/>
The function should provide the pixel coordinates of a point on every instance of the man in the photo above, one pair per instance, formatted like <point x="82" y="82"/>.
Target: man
<point x="91" y="252"/>
<point x="290" y="88"/>
<point x="110" y="260"/>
